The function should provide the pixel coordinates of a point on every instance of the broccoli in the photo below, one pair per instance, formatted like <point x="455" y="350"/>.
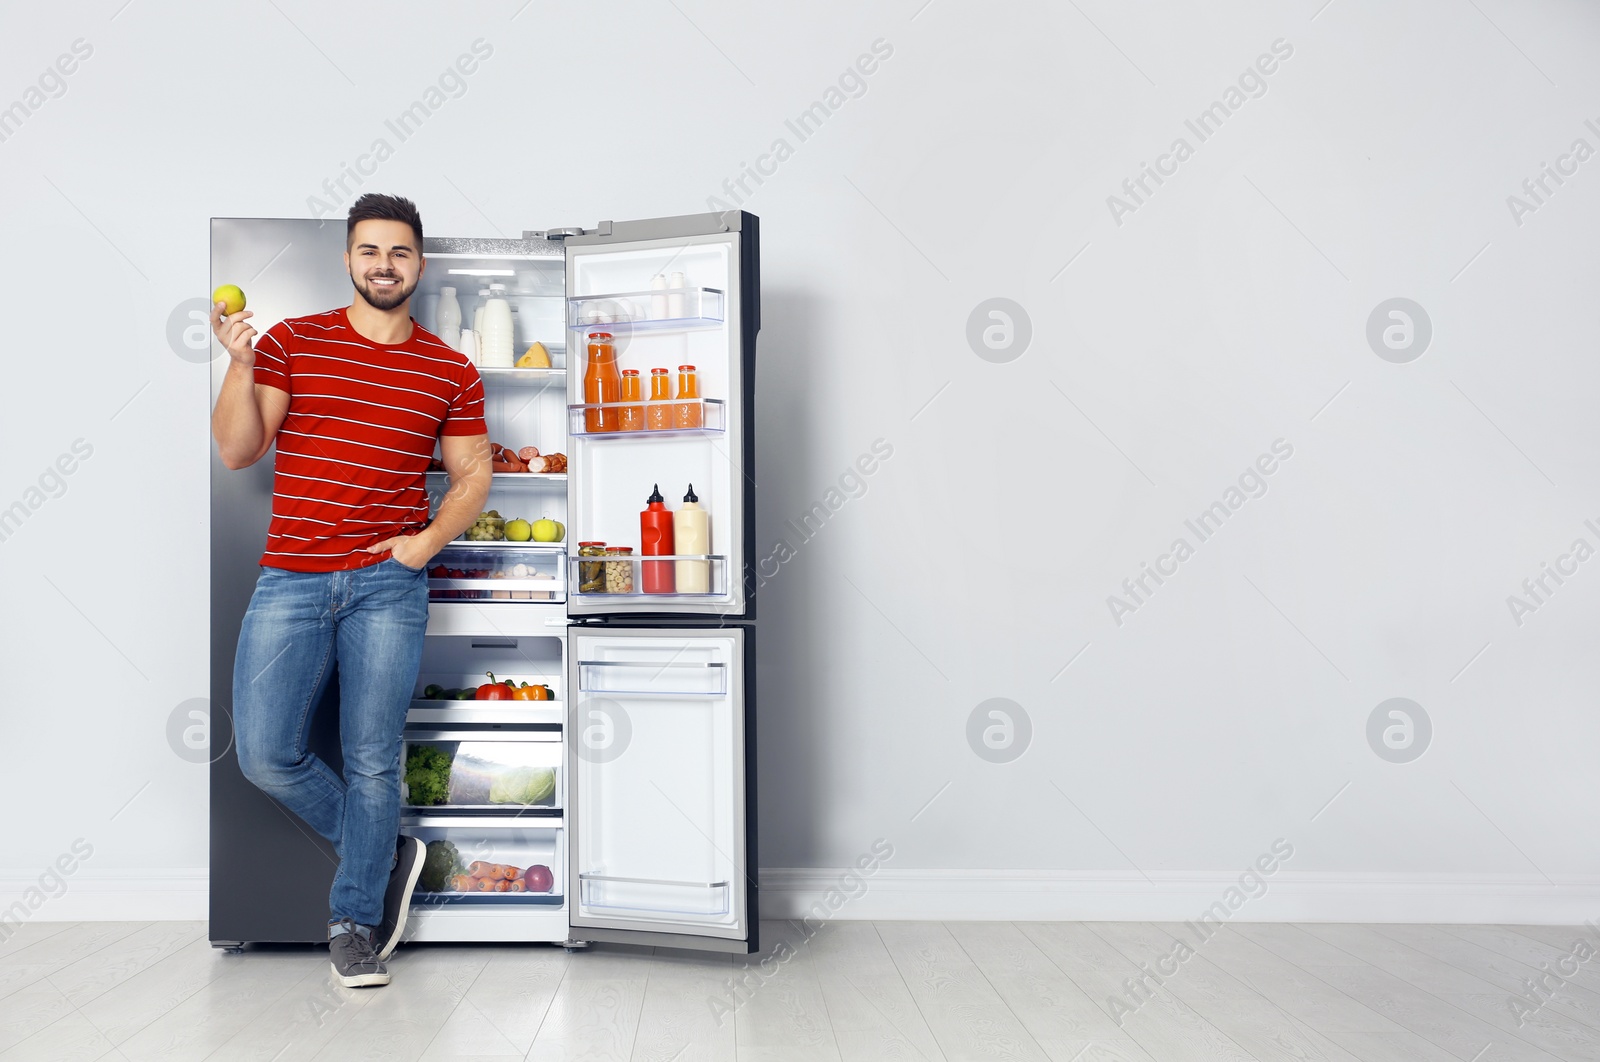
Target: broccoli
<point x="438" y="866"/>
<point x="427" y="776"/>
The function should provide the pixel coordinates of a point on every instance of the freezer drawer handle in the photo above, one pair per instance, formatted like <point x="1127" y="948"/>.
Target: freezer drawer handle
<point x="505" y="643"/>
<point x="654" y="881"/>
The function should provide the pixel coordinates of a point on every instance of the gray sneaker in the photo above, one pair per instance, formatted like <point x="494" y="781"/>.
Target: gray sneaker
<point x="355" y="962"/>
<point x="409" y="854"/>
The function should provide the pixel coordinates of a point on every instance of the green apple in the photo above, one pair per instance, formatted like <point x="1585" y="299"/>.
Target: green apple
<point x="547" y="530"/>
<point x="519" y="530"/>
<point x="231" y="298"/>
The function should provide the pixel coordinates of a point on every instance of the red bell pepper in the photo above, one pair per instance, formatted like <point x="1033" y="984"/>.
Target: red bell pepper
<point x="494" y="689"/>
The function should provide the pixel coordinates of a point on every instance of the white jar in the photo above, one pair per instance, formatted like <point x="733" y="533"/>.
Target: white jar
<point x="658" y="303"/>
<point x="448" y="317"/>
<point x="497" y="330"/>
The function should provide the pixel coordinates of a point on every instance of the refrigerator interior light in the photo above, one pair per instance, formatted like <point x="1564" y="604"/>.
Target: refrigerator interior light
<point x="482" y="272"/>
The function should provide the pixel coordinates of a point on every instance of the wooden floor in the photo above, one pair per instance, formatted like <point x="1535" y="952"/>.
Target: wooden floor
<point x="852" y="991"/>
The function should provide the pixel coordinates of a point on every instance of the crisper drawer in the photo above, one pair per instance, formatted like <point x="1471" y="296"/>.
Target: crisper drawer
<point x="498" y="571"/>
<point x="482" y="770"/>
<point x="478" y="861"/>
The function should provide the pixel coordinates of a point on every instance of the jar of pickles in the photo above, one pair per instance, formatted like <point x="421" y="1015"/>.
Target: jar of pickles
<point x="619" y="570"/>
<point x="591" y="574"/>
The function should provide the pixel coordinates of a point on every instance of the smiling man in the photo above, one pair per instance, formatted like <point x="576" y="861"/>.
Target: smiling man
<point x="356" y="399"/>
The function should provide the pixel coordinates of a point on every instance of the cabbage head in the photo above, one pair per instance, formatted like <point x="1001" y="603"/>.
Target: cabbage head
<point x="523" y="785"/>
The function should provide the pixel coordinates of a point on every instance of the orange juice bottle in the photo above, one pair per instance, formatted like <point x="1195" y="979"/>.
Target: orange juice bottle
<point x="632" y="417"/>
<point x="658" y="414"/>
<point x="601" y="383"/>
<point x="686" y="412"/>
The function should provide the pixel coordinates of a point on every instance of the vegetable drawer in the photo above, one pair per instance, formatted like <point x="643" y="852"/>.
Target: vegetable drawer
<point x="486" y="863"/>
<point x="482" y="770"/>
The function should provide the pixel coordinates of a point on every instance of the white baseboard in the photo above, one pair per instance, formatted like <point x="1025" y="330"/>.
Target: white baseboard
<point x="1290" y="896"/>
<point x="164" y="895"/>
<point x="978" y="895"/>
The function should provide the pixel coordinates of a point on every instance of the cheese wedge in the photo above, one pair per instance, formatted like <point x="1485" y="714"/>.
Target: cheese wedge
<point x="536" y="357"/>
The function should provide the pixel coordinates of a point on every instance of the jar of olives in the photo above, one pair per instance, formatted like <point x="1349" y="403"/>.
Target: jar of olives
<point x="619" y="570"/>
<point x="591" y="574"/>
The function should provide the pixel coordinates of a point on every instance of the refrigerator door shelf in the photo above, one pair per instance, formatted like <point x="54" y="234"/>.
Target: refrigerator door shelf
<point x="716" y="569"/>
<point x="652" y="679"/>
<point x="647" y="311"/>
<point x="712" y="417"/>
<point x="654" y="895"/>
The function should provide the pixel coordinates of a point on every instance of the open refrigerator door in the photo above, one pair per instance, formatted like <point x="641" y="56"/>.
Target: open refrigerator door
<point x="661" y="323"/>
<point x="661" y="840"/>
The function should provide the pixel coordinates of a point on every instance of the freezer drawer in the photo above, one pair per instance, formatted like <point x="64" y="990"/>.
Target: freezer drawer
<point x="498" y="571"/>
<point x="463" y="662"/>
<point x="658" y="798"/>
<point x="487" y="863"/>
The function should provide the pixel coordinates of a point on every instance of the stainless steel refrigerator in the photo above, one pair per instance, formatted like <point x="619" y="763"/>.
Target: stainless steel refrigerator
<point x="641" y="821"/>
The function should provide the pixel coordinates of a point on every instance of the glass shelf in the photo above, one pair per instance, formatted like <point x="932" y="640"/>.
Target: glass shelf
<point x="502" y="479"/>
<point x="510" y="714"/>
<point x="522" y="377"/>
<point x="712" y="569"/>
<point x="647" y="311"/>
<point x="713" y="418"/>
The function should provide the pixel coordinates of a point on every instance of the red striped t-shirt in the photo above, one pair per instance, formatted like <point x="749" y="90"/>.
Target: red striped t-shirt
<point x="362" y="424"/>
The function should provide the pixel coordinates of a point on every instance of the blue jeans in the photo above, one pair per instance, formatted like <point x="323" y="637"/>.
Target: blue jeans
<point x="371" y="620"/>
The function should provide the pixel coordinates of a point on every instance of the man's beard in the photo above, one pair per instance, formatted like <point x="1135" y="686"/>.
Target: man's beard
<point x="383" y="298"/>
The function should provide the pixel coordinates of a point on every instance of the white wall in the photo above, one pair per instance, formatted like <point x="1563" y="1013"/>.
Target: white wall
<point x="1226" y="312"/>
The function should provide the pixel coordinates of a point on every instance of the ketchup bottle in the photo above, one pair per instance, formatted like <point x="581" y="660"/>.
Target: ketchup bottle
<point x="655" y="540"/>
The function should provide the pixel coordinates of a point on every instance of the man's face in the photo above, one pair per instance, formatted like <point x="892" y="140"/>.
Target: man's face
<point x="384" y="262"/>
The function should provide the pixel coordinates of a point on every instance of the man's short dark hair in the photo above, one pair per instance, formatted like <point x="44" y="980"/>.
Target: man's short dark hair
<point x="385" y="208"/>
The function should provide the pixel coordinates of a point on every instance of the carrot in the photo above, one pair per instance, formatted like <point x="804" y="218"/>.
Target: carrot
<point x="486" y="884"/>
<point x="516" y="885"/>
<point x="479" y="868"/>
